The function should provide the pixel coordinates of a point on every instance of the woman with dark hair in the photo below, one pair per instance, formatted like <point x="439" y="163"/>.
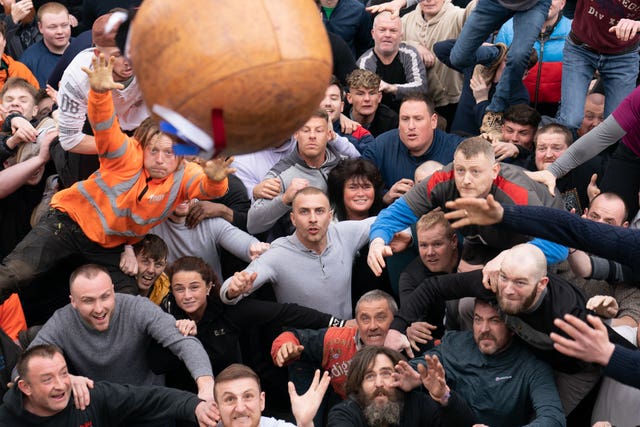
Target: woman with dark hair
<point x="195" y="303"/>
<point x="355" y="189"/>
<point x="355" y="192"/>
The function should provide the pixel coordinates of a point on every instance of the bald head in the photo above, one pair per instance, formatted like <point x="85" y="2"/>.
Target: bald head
<point x="522" y="279"/>
<point x="528" y="257"/>
<point x="426" y="169"/>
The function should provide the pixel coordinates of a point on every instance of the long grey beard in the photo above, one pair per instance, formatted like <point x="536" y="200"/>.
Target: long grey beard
<point x="384" y="415"/>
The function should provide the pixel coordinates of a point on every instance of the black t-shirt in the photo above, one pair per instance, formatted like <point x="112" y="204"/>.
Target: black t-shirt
<point x="392" y="73"/>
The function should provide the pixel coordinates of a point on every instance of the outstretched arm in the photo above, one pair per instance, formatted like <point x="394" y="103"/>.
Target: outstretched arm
<point x="611" y="242"/>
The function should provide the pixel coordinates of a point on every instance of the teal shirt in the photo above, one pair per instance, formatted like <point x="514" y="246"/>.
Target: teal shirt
<point x="512" y="388"/>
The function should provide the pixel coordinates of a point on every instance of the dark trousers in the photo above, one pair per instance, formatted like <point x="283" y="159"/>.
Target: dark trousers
<point x="55" y="238"/>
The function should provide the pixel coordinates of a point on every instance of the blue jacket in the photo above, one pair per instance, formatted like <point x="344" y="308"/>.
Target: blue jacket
<point x="361" y="138"/>
<point x="549" y="48"/>
<point x="395" y="162"/>
<point x="353" y="23"/>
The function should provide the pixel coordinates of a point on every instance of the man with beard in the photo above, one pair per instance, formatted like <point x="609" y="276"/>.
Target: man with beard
<point x="376" y="398"/>
<point x="522" y="386"/>
<point x="530" y="299"/>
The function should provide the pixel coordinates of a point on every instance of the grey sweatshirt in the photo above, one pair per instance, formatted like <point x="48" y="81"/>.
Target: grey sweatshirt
<point x="204" y="240"/>
<point x="119" y="354"/>
<point x="264" y="213"/>
<point x="301" y="276"/>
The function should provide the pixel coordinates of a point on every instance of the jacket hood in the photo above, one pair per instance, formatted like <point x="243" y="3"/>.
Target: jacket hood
<point x="13" y="402"/>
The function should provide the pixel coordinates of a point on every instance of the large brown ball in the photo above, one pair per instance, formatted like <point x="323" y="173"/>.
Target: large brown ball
<point x="265" y="63"/>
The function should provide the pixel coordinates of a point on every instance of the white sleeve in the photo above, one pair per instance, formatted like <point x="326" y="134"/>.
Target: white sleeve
<point x="344" y="147"/>
<point x="72" y="102"/>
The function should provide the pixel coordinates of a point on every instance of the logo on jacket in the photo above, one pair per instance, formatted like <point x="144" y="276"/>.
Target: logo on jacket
<point x="508" y="377"/>
<point x="156" y="198"/>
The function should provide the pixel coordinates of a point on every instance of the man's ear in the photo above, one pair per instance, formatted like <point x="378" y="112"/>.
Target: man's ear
<point x="24" y="387"/>
<point x="542" y="283"/>
<point x="349" y="98"/>
<point x="292" y="217"/>
<point x="496" y="169"/>
<point x="434" y="120"/>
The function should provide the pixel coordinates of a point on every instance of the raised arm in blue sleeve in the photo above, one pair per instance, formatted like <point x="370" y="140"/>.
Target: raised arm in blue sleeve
<point x="396" y="217"/>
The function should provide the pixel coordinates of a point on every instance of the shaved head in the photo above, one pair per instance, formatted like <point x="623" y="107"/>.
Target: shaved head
<point x="528" y="256"/>
<point x="522" y="280"/>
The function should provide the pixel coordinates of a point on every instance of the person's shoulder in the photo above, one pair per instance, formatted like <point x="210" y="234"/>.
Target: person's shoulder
<point x="388" y="138"/>
<point x="340" y="333"/>
<point x="413" y="18"/>
<point x="285" y="163"/>
<point x="34" y="50"/>
<point x="348" y="412"/>
<point x="367" y="60"/>
<point x="74" y="72"/>
<point x="135" y="305"/>
<point x="407" y="50"/>
<point x="285" y="242"/>
<point x="82" y="59"/>
<point x="457" y="338"/>
<point x="416" y="269"/>
<point x="440" y="135"/>
<point x="352" y="4"/>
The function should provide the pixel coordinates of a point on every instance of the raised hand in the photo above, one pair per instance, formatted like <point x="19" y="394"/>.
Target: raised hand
<point x="304" y="407"/>
<point x="433" y="379"/>
<point x="218" y="169"/>
<point x="101" y="74"/>
<point x="469" y="210"/>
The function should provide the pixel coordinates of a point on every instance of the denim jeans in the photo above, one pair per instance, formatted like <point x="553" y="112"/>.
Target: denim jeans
<point x="53" y="239"/>
<point x="487" y="17"/>
<point x="466" y="121"/>
<point x="618" y="72"/>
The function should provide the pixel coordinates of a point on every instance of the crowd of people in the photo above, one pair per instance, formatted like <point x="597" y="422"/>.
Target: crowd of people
<point x="448" y="240"/>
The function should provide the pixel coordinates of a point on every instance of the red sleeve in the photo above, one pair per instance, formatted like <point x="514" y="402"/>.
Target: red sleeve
<point x="280" y="340"/>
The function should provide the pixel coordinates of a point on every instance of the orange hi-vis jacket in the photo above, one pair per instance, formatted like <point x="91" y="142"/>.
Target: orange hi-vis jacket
<point x="119" y="203"/>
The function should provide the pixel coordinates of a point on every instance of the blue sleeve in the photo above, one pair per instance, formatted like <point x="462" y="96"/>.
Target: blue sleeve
<point x="554" y="252"/>
<point x="624" y="366"/>
<point x="364" y="141"/>
<point x="396" y="217"/>
<point x="611" y="242"/>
